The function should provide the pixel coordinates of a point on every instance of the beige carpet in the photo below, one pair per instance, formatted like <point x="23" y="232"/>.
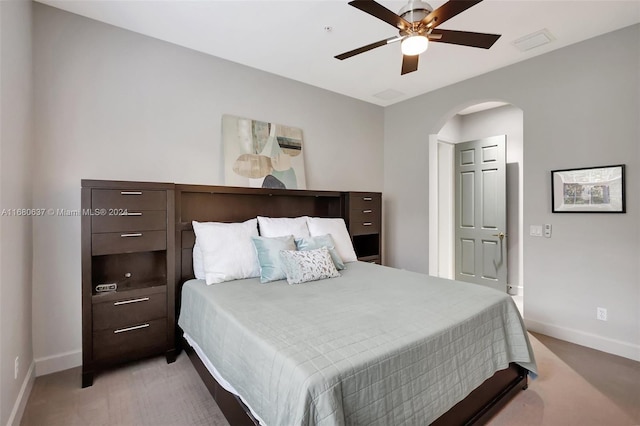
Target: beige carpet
<point x="577" y="386"/>
<point x="149" y="392"/>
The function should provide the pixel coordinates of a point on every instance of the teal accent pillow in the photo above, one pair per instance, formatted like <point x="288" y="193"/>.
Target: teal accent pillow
<point x="310" y="265"/>
<point x="312" y="243"/>
<point x="268" y="251"/>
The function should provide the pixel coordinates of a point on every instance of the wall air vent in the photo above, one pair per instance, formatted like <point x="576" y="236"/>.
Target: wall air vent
<point x="533" y="40"/>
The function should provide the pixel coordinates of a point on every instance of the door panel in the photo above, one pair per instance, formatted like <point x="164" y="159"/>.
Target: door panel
<point x="467" y="200"/>
<point x="489" y="193"/>
<point x="468" y="257"/>
<point x="489" y="250"/>
<point x="480" y="208"/>
<point x="467" y="157"/>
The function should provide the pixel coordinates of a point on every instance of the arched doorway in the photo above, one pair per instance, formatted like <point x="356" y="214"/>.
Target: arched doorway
<point x="474" y="121"/>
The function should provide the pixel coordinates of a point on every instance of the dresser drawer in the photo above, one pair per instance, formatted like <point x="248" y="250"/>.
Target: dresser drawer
<point x="364" y="224"/>
<point x="365" y="201"/>
<point x="132" y="341"/>
<point x="129" y="199"/>
<point x="128" y="242"/>
<point x="365" y="214"/>
<point x="129" y="310"/>
<point x="154" y="220"/>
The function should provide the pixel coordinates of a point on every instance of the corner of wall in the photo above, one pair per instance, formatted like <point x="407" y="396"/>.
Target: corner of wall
<point x="52" y="364"/>
<point x="16" y="137"/>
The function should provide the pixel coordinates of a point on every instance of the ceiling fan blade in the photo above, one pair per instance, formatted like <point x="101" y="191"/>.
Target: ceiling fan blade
<point x="465" y="38"/>
<point x="381" y="12"/>
<point x="409" y="64"/>
<point x="366" y="48"/>
<point x="448" y="11"/>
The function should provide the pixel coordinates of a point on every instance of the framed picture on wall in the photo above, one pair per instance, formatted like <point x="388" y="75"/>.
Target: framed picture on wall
<point x="588" y="190"/>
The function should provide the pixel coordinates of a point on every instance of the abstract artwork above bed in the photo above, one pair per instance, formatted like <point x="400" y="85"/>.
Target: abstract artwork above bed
<point x="260" y="154"/>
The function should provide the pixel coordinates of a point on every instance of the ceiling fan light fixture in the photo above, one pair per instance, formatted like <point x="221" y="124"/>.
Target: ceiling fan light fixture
<point x="414" y="45"/>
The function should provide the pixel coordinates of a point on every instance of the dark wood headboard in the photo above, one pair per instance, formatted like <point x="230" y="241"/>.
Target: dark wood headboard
<point x="204" y="203"/>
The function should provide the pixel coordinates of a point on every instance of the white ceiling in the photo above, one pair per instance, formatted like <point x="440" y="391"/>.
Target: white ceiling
<point x="289" y="38"/>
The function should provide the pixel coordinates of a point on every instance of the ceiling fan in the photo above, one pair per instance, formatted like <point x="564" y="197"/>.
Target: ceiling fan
<point x="417" y="23"/>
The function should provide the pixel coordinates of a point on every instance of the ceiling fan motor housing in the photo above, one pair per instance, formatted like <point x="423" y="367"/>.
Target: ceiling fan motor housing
<point x="415" y="10"/>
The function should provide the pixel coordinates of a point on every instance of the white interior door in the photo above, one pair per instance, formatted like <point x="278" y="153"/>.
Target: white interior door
<point x="480" y="212"/>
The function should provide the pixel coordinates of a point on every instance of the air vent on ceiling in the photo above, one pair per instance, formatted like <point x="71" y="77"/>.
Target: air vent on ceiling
<point x="387" y="95"/>
<point x="533" y="40"/>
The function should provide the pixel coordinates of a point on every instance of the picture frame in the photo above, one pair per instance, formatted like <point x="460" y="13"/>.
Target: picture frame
<point x="589" y="190"/>
<point x="259" y="154"/>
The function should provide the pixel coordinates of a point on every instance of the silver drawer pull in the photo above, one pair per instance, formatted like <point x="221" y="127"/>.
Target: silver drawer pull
<point x="367" y="224"/>
<point x="367" y="211"/>
<point x="135" y="234"/>
<point x="126" y="302"/>
<point x="135" y="327"/>
<point x="367" y="198"/>
<point x="132" y="214"/>
<point x="130" y="192"/>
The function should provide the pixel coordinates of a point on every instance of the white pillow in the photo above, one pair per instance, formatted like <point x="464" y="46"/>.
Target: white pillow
<point x="282" y="226"/>
<point x="336" y="227"/>
<point x="198" y="262"/>
<point x="227" y="250"/>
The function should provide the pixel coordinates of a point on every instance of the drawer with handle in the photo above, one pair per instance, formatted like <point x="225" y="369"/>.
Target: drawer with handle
<point x="364" y="201"/>
<point x="141" y="220"/>
<point x="129" y="310"/>
<point x="128" y="242"/>
<point x="129" y="199"/>
<point x="137" y="339"/>
<point x="358" y="226"/>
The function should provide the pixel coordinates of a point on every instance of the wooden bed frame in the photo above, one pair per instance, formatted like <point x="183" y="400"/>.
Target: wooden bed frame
<point x="230" y="204"/>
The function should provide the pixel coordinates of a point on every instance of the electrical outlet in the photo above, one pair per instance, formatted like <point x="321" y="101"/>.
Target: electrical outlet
<point x="16" y="368"/>
<point x="601" y="314"/>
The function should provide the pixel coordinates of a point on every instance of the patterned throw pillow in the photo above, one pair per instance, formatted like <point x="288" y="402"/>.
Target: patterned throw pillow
<point x="303" y="266"/>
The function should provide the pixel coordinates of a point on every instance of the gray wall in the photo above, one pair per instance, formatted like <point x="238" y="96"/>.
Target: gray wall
<point x="16" y="137"/>
<point x="581" y="108"/>
<point x="112" y="104"/>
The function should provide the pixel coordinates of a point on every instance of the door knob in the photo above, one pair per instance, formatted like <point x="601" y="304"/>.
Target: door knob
<point x="500" y="235"/>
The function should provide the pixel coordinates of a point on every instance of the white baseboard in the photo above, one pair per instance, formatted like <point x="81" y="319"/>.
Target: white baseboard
<point x="54" y="363"/>
<point x="515" y="290"/>
<point x="23" y="397"/>
<point x="604" y="344"/>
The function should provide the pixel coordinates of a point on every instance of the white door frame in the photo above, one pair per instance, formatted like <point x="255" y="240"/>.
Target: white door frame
<point x="434" y="249"/>
<point x="441" y="206"/>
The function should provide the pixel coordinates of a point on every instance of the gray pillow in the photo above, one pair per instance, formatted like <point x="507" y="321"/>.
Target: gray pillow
<point x="312" y="243"/>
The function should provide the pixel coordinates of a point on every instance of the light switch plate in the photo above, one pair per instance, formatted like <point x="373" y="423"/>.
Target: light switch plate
<point x="535" y="230"/>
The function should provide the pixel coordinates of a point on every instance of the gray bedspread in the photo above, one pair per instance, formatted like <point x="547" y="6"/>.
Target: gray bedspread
<point x="376" y="346"/>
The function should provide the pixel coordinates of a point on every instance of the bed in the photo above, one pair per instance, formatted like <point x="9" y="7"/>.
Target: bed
<point x="376" y="345"/>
